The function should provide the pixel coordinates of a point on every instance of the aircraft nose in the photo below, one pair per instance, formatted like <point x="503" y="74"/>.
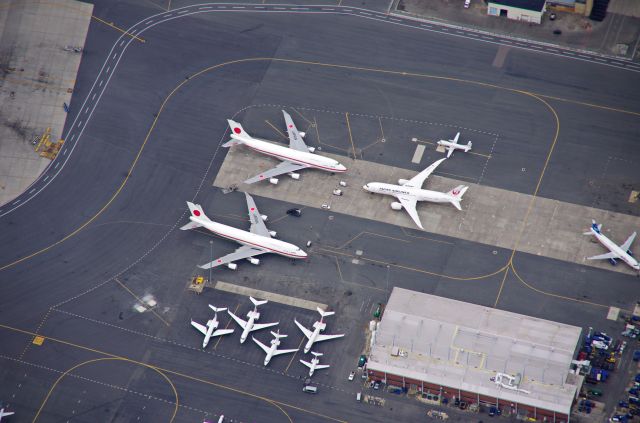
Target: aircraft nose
<point x="302" y="254"/>
<point x="341" y="168"/>
<point x="365" y="187"/>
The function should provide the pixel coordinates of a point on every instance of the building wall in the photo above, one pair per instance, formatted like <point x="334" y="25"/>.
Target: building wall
<point x="515" y="13"/>
<point x="469" y="397"/>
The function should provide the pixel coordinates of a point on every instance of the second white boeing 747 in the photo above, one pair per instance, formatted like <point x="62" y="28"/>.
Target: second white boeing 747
<point x="258" y="240"/>
<point x="409" y="192"/>
<point x="622" y="252"/>
<point x="295" y="157"/>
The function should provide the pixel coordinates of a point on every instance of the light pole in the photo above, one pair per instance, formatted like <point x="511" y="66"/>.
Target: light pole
<point x="211" y="244"/>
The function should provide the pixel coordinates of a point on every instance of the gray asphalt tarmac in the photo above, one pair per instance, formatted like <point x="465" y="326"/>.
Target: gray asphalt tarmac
<point x="101" y="225"/>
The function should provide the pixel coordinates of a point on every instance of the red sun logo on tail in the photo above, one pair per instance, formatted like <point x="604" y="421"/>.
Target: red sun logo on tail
<point x="196" y="212"/>
<point x="456" y="192"/>
<point x="237" y="130"/>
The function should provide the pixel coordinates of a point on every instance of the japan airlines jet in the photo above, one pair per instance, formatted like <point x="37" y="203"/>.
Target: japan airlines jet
<point x="452" y="145"/>
<point x="5" y="413"/>
<point x="314" y="364"/>
<point x="622" y="252"/>
<point x="209" y="331"/>
<point x="409" y="192"/>
<point x="250" y="325"/>
<point x="273" y="349"/>
<point x="318" y="327"/>
<point x="295" y="157"/>
<point x="259" y="240"/>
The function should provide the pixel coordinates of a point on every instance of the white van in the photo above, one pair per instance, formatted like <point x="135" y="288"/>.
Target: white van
<point x="310" y="389"/>
<point x="359" y="396"/>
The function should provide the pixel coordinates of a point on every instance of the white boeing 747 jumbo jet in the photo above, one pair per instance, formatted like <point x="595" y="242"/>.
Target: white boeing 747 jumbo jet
<point x="318" y="327"/>
<point x="452" y="145"/>
<point x="409" y="192"/>
<point x="273" y="349"/>
<point x="250" y="325"/>
<point x="258" y="240"/>
<point x="622" y="252"/>
<point x="211" y="329"/>
<point x="314" y="364"/>
<point x="295" y="157"/>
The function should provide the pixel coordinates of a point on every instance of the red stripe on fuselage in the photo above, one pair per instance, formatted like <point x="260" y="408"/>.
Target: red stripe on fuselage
<point x="257" y="245"/>
<point x="294" y="160"/>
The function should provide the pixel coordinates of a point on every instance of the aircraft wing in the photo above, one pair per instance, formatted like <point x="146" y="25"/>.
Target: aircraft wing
<point x="278" y="352"/>
<point x="201" y="328"/>
<point x="627" y="244"/>
<point x="257" y="224"/>
<point x="326" y="338"/>
<point x="450" y="151"/>
<point x="258" y="326"/>
<point x="239" y="254"/>
<point x="282" y="168"/>
<point x="409" y="204"/>
<point x="221" y="332"/>
<point x="306" y="363"/>
<point x="261" y="345"/>
<point x="418" y="180"/>
<point x="304" y="330"/>
<point x="242" y="323"/>
<point x="604" y="256"/>
<point x="322" y="366"/>
<point x="295" y="140"/>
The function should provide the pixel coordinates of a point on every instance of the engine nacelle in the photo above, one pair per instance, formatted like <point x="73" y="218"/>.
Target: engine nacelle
<point x="311" y="149"/>
<point x="273" y="234"/>
<point x="232" y="266"/>
<point x="294" y="175"/>
<point x="302" y="135"/>
<point x="254" y="261"/>
<point x="396" y="206"/>
<point x="402" y="181"/>
<point x="273" y="181"/>
<point x="264" y="217"/>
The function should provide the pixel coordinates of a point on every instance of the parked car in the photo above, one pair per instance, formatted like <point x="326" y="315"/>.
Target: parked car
<point x="352" y="375"/>
<point x="467" y="3"/>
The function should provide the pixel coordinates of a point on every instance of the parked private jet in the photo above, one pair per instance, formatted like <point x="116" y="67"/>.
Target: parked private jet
<point x="409" y="192"/>
<point x="294" y="158"/>
<point x="452" y="145"/>
<point x="5" y="413"/>
<point x="315" y="363"/>
<point x="318" y="327"/>
<point x="211" y="329"/>
<point x="622" y="252"/>
<point x="273" y="349"/>
<point x="250" y="325"/>
<point x="259" y="240"/>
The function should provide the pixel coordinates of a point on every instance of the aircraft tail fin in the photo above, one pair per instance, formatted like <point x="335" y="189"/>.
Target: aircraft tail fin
<point x="316" y="354"/>
<point x="325" y="313"/>
<point x="278" y="335"/>
<point x="258" y="302"/>
<point x="469" y="145"/>
<point x="455" y="195"/>
<point x="237" y="131"/>
<point x="217" y="309"/>
<point x="595" y="227"/>
<point x="196" y="210"/>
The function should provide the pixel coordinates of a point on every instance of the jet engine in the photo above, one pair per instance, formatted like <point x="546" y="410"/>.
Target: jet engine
<point x="232" y="266"/>
<point x="254" y="261"/>
<point x="294" y="175"/>
<point x="396" y="206"/>
<point x="273" y="181"/>
<point x="402" y="181"/>
<point x="302" y="135"/>
<point x="264" y="217"/>
<point x="273" y="234"/>
<point x="311" y="149"/>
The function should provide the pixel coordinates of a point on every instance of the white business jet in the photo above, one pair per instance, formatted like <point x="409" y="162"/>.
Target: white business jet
<point x="409" y="192"/>
<point x="258" y="240"/>
<point x="5" y="413"/>
<point x="273" y="349"/>
<point x="250" y="325"/>
<point x="622" y="252"/>
<point x="211" y="329"/>
<point x="295" y="157"/>
<point x="452" y="145"/>
<point x="318" y="327"/>
<point x="315" y="363"/>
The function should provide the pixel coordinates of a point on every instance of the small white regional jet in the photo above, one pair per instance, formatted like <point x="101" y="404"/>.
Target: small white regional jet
<point x="314" y="365"/>
<point x="295" y="157"/>
<point x="318" y="327"/>
<point x="259" y="240"/>
<point x="409" y="192"/>
<point x="251" y="325"/>
<point x="209" y="331"/>
<point x="451" y="145"/>
<point x="622" y="252"/>
<point x="273" y="349"/>
<point x="5" y="413"/>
